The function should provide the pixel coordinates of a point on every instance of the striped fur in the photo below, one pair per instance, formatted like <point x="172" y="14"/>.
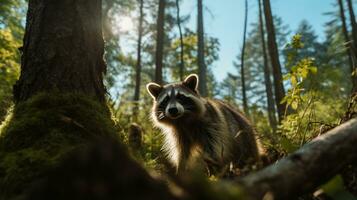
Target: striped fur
<point x="201" y="129"/>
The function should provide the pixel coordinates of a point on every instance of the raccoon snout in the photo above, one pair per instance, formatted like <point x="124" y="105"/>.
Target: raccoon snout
<point x="174" y="112"/>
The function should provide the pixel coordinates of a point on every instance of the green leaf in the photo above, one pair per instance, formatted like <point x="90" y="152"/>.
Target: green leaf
<point x="293" y="81"/>
<point x="286" y="76"/>
<point x="294" y="105"/>
<point x="304" y="72"/>
<point x="287" y="145"/>
<point x="313" y="70"/>
<point x="336" y="189"/>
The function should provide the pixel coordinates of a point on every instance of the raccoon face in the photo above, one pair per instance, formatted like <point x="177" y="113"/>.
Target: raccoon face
<point x="173" y="101"/>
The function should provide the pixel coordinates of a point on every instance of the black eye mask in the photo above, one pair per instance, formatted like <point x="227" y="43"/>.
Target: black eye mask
<point x="186" y="102"/>
<point x="164" y="103"/>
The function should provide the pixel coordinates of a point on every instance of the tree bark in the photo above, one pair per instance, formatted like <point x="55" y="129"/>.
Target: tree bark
<point x="267" y="73"/>
<point x="202" y="68"/>
<point x="63" y="49"/>
<point x="308" y="167"/>
<point x="354" y="43"/>
<point x="275" y="62"/>
<point x="244" y="93"/>
<point x="182" y="62"/>
<point x="160" y="41"/>
<point x="138" y="60"/>
<point x="60" y="96"/>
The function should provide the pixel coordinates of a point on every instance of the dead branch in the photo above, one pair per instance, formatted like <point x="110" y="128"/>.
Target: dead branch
<point x="308" y="167"/>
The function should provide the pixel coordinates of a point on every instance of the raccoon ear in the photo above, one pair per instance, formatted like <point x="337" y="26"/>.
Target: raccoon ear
<point x="154" y="89"/>
<point x="191" y="82"/>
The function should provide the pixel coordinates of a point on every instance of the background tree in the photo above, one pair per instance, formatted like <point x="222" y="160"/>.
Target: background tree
<point x="160" y="41"/>
<point x="275" y="62"/>
<point x="190" y="55"/>
<point x="353" y="43"/>
<point x="202" y="68"/>
<point x="267" y="74"/>
<point x="334" y="65"/>
<point x="11" y="32"/>
<point x="182" y="62"/>
<point x="254" y="73"/>
<point x="138" y="59"/>
<point x="349" y="45"/>
<point x="117" y="62"/>
<point x="245" y="103"/>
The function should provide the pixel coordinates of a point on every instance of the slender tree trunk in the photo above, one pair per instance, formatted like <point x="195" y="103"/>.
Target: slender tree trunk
<point x="182" y="62"/>
<point x="63" y="49"/>
<point x="138" y="59"/>
<point x="268" y="86"/>
<point x="348" y="44"/>
<point x="353" y="22"/>
<point x="202" y="68"/>
<point x="274" y="58"/>
<point x="245" y="102"/>
<point x="160" y="41"/>
<point x="354" y="43"/>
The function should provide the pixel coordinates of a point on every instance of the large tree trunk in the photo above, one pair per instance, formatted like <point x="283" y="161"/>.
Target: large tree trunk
<point x="182" y="62"/>
<point x="160" y="41"/>
<point x="63" y="60"/>
<point x="202" y="68"/>
<point x="267" y="81"/>
<point x="138" y="60"/>
<point x="244" y="92"/>
<point x="274" y="58"/>
<point x="309" y="167"/>
<point x="354" y="44"/>
<point x="60" y="35"/>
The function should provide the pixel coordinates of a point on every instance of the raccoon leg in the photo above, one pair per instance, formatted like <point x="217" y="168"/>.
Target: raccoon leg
<point x="213" y="159"/>
<point x="246" y="152"/>
<point x="182" y="160"/>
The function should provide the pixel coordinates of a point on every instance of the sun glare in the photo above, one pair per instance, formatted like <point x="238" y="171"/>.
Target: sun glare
<point x="123" y="24"/>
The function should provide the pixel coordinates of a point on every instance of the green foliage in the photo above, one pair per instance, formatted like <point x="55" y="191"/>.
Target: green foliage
<point x="299" y="71"/>
<point x="335" y="189"/>
<point x="42" y="130"/>
<point x="11" y="31"/>
<point x="311" y="111"/>
<point x="152" y="138"/>
<point x="190" y="58"/>
<point x="230" y="89"/>
<point x="254" y="69"/>
<point x="38" y="133"/>
<point x="9" y="68"/>
<point x="190" y="53"/>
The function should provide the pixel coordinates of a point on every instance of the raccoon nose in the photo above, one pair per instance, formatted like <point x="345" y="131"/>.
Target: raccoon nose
<point x="173" y="111"/>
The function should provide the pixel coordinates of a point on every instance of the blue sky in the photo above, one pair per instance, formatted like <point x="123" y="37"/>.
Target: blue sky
<point x="224" y="20"/>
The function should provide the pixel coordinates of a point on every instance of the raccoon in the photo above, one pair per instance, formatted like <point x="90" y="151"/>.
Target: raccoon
<point x="198" y="129"/>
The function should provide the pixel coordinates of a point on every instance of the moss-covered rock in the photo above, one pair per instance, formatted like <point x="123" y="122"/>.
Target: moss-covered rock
<point x="41" y="131"/>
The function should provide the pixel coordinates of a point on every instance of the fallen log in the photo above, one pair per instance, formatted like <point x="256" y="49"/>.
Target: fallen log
<point x="307" y="168"/>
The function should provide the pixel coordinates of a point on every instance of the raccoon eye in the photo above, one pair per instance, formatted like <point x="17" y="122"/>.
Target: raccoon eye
<point x="185" y="101"/>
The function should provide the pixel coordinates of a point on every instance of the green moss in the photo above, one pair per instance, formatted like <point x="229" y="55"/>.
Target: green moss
<point x="41" y="131"/>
